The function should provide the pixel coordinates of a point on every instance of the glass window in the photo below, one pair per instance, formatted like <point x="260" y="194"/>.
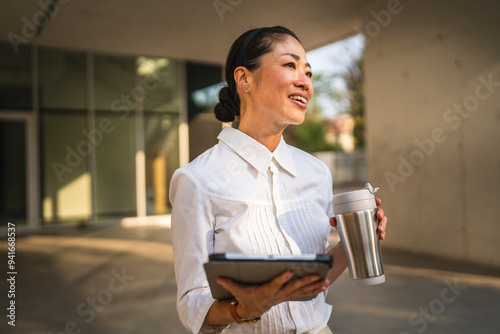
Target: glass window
<point x="114" y="138"/>
<point x="158" y="83"/>
<point x="122" y="87"/>
<point x="203" y="86"/>
<point x="15" y="78"/>
<point x="13" y="206"/>
<point x="63" y="79"/>
<point x="203" y="82"/>
<point x="115" y="121"/>
<point x="114" y="82"/>
<point x="66" y="183"/>
<point x="162" y="158"/>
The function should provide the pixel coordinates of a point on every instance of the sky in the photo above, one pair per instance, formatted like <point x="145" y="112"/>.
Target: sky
<point x="335" y="58"/>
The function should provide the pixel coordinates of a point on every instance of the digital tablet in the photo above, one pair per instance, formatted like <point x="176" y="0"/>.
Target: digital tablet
<point x="259" y="269"/>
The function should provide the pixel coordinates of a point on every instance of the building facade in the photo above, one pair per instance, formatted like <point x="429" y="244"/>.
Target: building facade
<point x="88" y="137"/>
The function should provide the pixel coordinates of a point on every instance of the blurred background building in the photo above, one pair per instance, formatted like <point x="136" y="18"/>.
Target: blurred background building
<point x="100" y="101"/>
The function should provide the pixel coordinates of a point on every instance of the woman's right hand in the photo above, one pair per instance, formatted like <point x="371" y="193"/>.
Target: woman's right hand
<point x="255" y="300"/>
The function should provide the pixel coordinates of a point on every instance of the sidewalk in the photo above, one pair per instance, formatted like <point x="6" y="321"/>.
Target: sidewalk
<point x="121" y="280"/>
<point x="420" y="295"/>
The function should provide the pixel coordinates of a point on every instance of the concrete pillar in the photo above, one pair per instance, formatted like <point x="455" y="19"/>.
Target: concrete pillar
<point x="433" y="120"/>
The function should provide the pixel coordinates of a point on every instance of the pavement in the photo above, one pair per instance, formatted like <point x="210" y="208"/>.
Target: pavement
<point x="120" y="279"/>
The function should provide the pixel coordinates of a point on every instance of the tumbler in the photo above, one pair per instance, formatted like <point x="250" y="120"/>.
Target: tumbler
<point x="355" y="212"/>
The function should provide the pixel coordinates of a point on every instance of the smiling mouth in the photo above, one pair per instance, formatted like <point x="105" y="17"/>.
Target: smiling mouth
<point x="298" y="98"/>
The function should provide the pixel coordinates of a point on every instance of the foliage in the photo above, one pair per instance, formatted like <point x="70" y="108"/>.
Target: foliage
<point x="310" y="136"/>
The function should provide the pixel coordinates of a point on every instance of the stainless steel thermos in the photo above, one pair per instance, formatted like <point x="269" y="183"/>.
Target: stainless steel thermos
<point x="357" y="225"/>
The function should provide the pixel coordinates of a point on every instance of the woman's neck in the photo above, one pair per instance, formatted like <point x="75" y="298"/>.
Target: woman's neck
<point x="262" y="133"/>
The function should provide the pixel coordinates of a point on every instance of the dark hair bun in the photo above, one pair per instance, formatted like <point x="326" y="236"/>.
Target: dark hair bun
<point x="226" y="110"/>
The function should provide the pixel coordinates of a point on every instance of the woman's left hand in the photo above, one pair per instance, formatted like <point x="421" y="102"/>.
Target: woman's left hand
<point x="382" y="220"/>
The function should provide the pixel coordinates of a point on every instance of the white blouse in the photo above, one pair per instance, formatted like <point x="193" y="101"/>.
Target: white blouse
<point x="238" y="197"/>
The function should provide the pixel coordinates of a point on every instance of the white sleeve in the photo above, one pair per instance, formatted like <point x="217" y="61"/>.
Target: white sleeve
<point x="192" y="241"/>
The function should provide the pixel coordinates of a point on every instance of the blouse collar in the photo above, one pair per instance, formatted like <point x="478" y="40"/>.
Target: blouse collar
<point x="257" y="154"/>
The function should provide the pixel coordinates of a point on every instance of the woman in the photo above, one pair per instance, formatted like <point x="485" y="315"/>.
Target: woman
<point x="252" y="193"/>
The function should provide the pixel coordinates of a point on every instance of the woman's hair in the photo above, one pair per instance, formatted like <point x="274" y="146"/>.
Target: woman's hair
<point x="246" y="51"/>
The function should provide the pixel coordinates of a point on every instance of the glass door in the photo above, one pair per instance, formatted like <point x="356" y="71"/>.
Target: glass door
<point x="17" y="193"/>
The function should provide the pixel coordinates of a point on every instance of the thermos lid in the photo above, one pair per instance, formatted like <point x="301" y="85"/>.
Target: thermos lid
<point x="356" y="200"/>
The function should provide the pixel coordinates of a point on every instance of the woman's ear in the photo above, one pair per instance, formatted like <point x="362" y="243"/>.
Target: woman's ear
<point x="241" y="75"/>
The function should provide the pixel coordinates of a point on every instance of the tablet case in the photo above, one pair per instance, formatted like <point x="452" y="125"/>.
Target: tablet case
<point x="259" y="269"/>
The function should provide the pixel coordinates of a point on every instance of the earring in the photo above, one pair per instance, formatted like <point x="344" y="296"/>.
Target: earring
<point x="247" y="89"/>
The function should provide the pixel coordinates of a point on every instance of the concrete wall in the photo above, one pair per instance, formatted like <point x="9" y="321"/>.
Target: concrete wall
<point x="433" y="119"/>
